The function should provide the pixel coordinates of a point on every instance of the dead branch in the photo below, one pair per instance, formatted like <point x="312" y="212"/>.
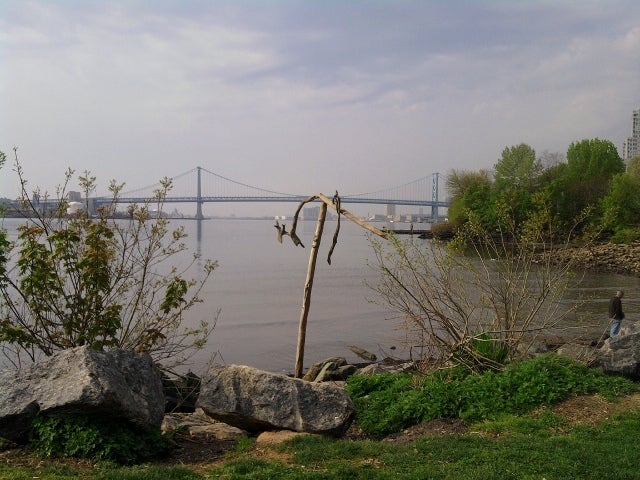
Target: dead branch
<point x="334" y="203"/>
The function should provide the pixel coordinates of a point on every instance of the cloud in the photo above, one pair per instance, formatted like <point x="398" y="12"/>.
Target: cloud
<point x="309" y="95"/>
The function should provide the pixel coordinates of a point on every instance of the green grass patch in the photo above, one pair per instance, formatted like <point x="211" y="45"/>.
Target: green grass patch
<point x="531" y="449"/>
<point x="388" y="403"/>
<point x="114" y="472"/>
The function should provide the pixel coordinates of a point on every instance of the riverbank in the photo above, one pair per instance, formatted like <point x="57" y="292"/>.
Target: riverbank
<point x="571" y="439"/>
<point x="607" y="257"/>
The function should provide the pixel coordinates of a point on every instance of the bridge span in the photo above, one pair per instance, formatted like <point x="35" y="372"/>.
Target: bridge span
<point x="213" y="188"/>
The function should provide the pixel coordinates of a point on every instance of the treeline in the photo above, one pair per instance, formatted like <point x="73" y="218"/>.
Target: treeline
<point x="590" y="191"/>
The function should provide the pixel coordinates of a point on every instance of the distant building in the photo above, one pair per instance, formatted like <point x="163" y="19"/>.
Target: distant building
<point x="74" y="196"/>
<point x="391" y="210"/>
<point x="310" y="213"/>
<point x="630" y="148"/>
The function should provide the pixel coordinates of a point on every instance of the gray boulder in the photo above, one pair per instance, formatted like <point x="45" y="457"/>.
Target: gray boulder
<point x="388" y="365"/>
<point x="620" y="355"/>
<point x="334" y="369"/>
<point x="584" y="354"/>
<point x="256" y="401"/>
<point x="200" y="428"/>
<point x="118" y="383"/>
<point x="328" y="364"/>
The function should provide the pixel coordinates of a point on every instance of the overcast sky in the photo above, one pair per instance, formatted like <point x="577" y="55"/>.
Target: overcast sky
<point x="307" y="96"/>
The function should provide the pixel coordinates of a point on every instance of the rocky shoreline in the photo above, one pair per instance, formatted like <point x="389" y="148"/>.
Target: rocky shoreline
<point x="623" y="259"/>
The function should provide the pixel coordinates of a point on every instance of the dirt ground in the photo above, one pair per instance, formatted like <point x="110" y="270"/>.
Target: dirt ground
<point x="200" y="455"/>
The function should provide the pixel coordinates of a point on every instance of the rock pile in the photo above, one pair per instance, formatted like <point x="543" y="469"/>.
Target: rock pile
<point x="231" y="400"/>
<point x="605" y="257"/>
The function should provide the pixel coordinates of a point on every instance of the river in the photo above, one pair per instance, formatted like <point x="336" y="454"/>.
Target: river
<point x="258" y="288"/>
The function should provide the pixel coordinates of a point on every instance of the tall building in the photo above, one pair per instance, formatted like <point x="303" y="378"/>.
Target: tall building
<point x="391" y="210"/>
<point x="630" y="148"/>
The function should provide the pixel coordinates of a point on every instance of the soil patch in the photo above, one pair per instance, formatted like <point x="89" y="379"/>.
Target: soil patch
<point x="594" y="409"/>
<point x="436" y="427"/>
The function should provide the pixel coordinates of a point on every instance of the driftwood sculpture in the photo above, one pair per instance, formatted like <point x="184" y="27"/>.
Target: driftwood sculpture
<point x="313" y="255"/>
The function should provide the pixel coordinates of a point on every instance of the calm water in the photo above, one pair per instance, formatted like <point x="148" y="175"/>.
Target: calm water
<point x="259" y="286"/>
<point x="259" y="289"/>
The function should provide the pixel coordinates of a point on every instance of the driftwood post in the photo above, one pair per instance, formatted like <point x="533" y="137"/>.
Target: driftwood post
<point x="308" y="285"/>
<point x="326" y="202"/>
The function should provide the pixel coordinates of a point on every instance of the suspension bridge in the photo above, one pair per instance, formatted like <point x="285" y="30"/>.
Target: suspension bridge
<point x="203" y="186"/>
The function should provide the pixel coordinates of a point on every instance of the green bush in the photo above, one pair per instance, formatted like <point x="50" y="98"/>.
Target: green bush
<point x="96" y="437"/>
<point x="443" y="230"/>
<point x="626" y="235"/>
<point x="387" y="403"/>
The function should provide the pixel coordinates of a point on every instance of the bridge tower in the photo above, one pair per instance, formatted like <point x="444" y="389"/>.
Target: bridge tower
<point x="199" y="215"/>
<point x="434" y="198"/>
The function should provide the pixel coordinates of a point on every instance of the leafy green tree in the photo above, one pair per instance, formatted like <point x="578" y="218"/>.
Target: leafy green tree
<point x="518" y="168"/>
<point x="621" y="207"/>
<point x="470" y="191"/>
<point x="72" y="279"/>
<point x="516" y="174"/>
<point x="591" y="164"/>
<point x="593" y="158"/>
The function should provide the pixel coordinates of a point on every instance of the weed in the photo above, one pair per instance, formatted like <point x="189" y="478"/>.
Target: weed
<point x="388" y="403"/>
<point x="96" y="437"/>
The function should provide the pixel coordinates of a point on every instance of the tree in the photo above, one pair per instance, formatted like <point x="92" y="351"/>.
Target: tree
<point x="551" y="159"/>
<point x="591" y="164"/>
<point x="470" y="191"/>
<point x="72" y="279"/>
<point x="483" y="309"/>
<point x="633" y="167"/>
<point x="518" y="168"/>
<point x="621" y="207"/>
<point x="593" y="158"/>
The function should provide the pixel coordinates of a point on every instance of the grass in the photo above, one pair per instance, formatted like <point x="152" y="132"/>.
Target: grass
<point x="110" y="472"/>
<point x="536" y="445"/>
<point x="389" y="403"/>
<point x="515" y="432"/>
<point x="527" y="448"/>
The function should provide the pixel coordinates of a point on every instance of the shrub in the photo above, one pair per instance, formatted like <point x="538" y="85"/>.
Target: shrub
<point x="443" y="230"/>
<point x="626" y="235"/>
<point x="96" y="437"/>
<point x="387" y="403"/>
<point x="72" y="278"/>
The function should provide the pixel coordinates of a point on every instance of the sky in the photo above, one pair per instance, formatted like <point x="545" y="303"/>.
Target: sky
<point x="307" y="96"/>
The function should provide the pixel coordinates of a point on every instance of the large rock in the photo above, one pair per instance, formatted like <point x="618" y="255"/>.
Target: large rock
<point x="388" y="365"/>
<point x="255" y="401"/>
<point x="200" y="427"/>
<point x="331" y="369"/>
<point x="584" y="354"/>
<point x="118" y="383"/>
<point x="620" y="355"/>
